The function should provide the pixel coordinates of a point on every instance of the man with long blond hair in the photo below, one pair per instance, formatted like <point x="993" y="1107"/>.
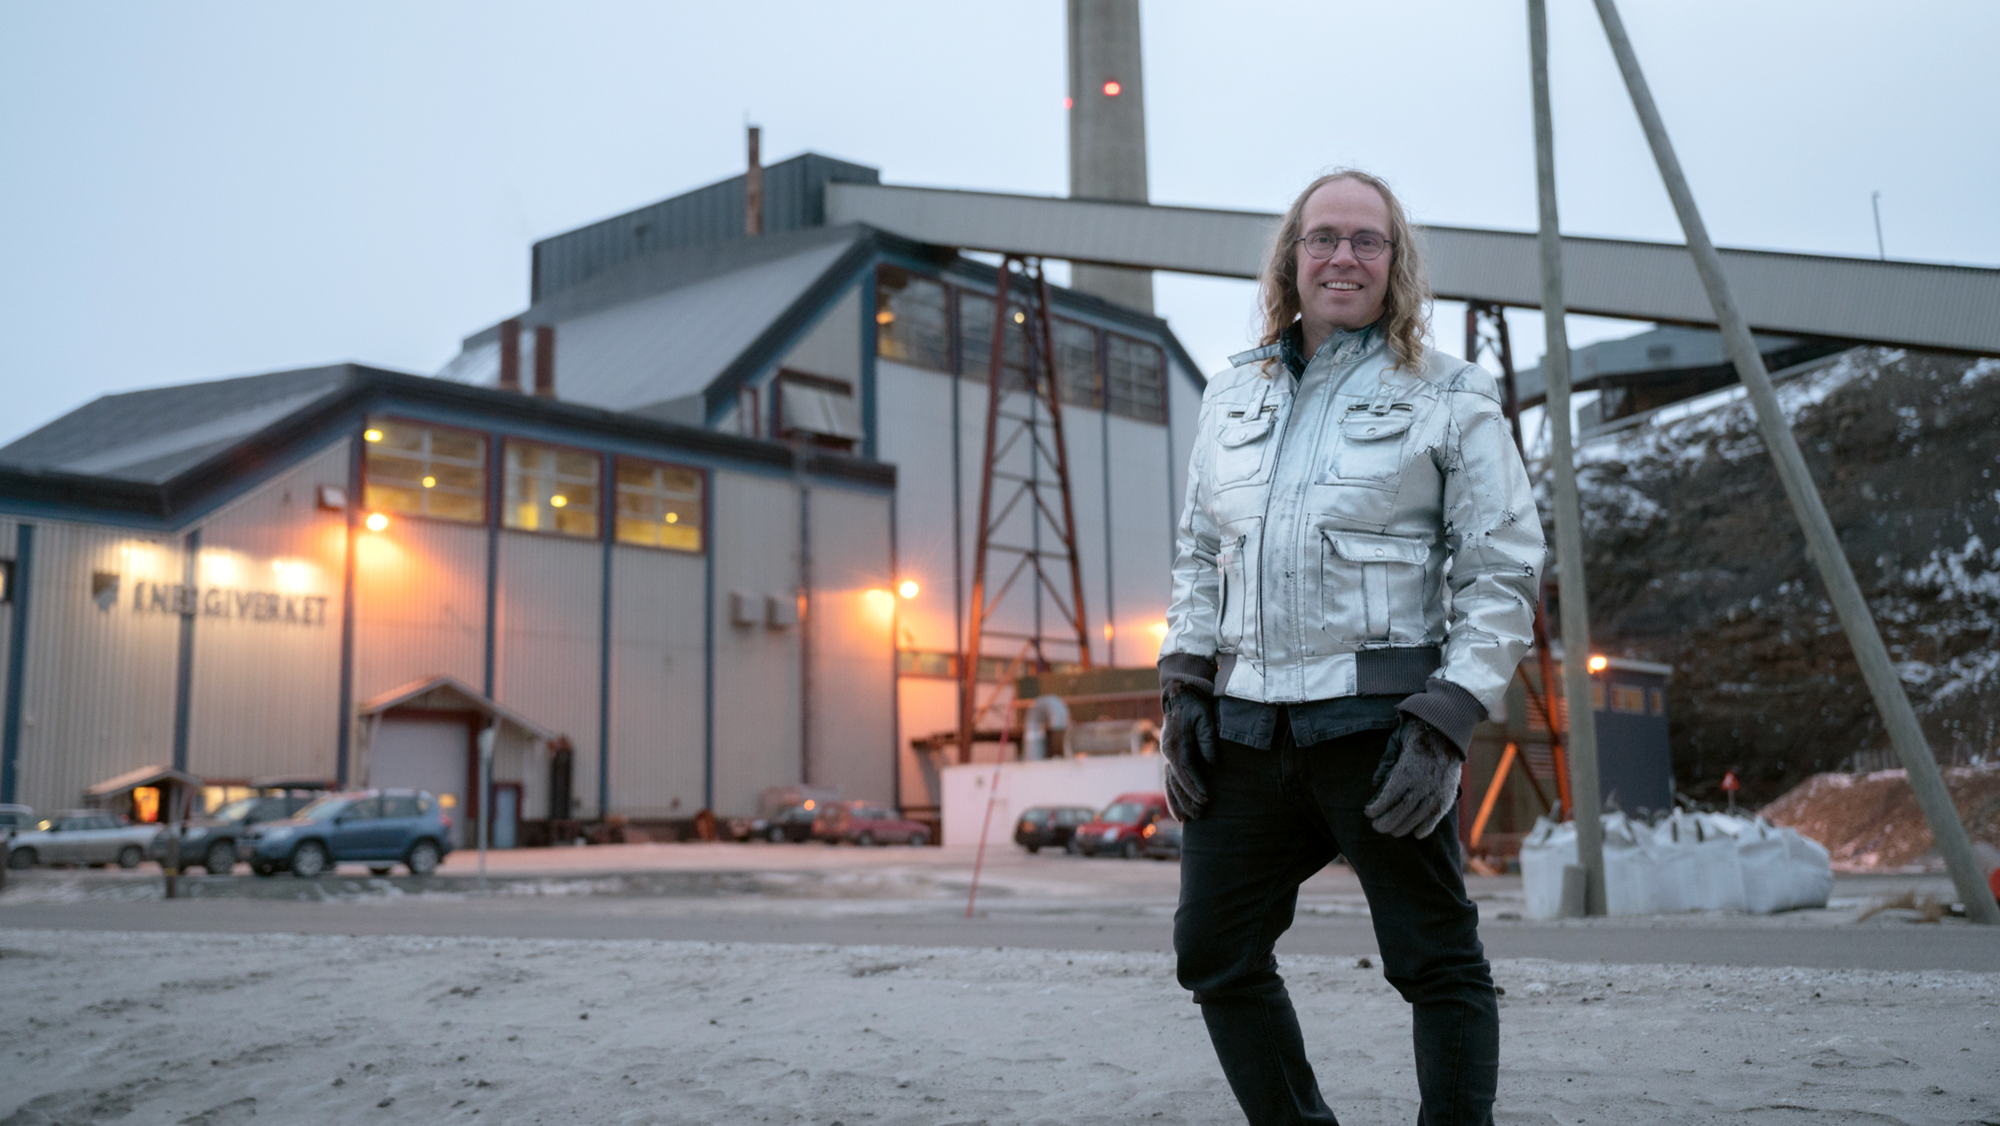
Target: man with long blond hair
<point x="1353" y="585"/>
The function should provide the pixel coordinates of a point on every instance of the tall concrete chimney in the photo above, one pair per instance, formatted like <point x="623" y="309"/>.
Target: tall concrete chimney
<point x="1107" y="130"/>
<point x="753" y="186"/>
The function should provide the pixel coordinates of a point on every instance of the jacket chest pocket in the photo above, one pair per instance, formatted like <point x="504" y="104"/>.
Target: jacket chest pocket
<point x="1370" y="449"/>
<point x="1237" y="600"/>
<point x="1372" y="588"/>
<point x="1243" y="447"/>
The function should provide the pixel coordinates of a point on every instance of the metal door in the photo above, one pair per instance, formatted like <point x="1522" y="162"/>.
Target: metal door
<point x="506" y="814"/>
<point x="425" y="754"/>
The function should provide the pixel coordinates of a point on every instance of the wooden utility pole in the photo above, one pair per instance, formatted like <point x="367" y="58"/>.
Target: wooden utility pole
<point x="1822" y="542"/>
<point x="1581" y="738"/>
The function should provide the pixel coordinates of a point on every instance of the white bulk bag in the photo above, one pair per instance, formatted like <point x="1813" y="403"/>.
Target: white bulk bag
<point x="1628" y="870"/>
<point x="1547" y="848"/>
<point x="1678" y="885"/>
<point x="1812" y="870"/>
<point x="1762" y="861"/>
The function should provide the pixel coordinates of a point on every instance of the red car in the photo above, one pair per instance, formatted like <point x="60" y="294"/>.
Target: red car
<point x="865" y="823"/>
<point x="1121" y="828"/>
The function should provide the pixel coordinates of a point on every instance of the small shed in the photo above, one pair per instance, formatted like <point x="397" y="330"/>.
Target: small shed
<point x="150" y="794"/>
<point x="424" y="735"/>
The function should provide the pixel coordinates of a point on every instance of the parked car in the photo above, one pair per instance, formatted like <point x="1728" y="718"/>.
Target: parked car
<point x="210" y="842"/>
<point x="1163" y="839"/>
<point x="17" y="818"/>
<point x="792" y="823"/>
<point x="1050" y="826"/>
<point x="380" y="828"/>
<point x="1121" y="828"/>
<point x="82" y="836"/>
<point x="866" y="824"/>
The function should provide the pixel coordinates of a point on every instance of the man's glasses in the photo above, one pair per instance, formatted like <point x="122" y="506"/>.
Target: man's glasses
<point x="1367" y="245"/>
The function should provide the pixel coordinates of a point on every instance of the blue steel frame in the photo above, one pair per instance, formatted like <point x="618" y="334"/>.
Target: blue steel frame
<point x="17" y="657"/>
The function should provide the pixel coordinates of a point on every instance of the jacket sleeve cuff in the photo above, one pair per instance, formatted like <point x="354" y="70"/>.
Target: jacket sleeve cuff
<point x="1447" y="707"/>
<point x="1185" y="670"/>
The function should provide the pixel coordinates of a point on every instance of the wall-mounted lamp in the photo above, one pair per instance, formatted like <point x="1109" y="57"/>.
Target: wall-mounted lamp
<point x="908" y="588"/>
<point x="1598" y="664"/>
<point x="376" y="521"/>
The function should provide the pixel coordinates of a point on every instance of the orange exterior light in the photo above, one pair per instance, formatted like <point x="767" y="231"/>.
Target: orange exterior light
<point x="886" y="316"/>
<point x="558" y="502"/>
<point x="371" y="434"/>
<point x="1158" y="629"/>
<point x="908" y="588"/>
<point x="376" y="521"/>
<point x="1598" y="664"/>
<point x="1107" y="631"/>
<point x="430" y="482"/>
<point x="809" y="803"/>
<point x="1112" y="89"/>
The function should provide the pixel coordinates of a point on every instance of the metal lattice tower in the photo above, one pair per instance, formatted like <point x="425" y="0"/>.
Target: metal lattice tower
<point x="1027" y="523"/>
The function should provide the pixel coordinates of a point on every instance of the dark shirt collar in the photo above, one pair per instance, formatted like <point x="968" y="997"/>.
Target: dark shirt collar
<point x="1292" y="345"/>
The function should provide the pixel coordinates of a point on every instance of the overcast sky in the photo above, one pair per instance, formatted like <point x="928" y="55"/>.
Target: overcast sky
<point x="196" y="190"/>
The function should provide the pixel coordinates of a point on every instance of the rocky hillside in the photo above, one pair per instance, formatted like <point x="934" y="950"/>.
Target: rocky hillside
<point x="1695" y="559"/>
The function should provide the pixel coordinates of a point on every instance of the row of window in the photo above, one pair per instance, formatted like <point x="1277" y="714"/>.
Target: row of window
<point x="1629" y="699"/>
<point x="435" y="471"/>
<point x="920" y="321"/>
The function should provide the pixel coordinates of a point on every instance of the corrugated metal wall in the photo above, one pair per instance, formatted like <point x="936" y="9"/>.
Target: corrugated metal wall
<point x="551" y="609"/>
<point x="854" y="674"/>
<point x="756" y="545"/>
<point x="833" y="347"/>
<point x="420" y="605"/>
<point x="266" y="681"/>
<point x="794" y="198"/>
<point x="99" y="689"/>
<point x="658" y="600"/>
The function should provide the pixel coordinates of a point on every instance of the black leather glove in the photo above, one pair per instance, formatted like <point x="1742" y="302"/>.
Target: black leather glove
<point x="1416" y="783"/>
<point x="1187" y="731"/>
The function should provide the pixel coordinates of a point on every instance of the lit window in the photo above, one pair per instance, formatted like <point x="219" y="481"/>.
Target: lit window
<point x="659" y="505"/>
<point x="1076" y="361"/>
<point x="551" y="490"/>
<point x="1628" y="699"/>
<point x="1659" y="700"/>
<point x="426" y="471"/>
<point x="1135" y="379"/>
<point x="975" y="334"/>
<point x="912" y="322"/>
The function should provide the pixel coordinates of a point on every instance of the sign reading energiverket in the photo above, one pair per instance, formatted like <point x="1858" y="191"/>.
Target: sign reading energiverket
<point x="229" y="602"/>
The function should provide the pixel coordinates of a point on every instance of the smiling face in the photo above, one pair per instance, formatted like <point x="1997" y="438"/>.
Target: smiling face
<point x="1342" y="292"/>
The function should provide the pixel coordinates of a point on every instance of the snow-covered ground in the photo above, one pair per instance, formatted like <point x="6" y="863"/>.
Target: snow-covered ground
<point x="220" y="1029"/>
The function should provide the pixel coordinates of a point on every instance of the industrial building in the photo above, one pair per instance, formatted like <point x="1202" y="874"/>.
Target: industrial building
<point x="692" y="526"/>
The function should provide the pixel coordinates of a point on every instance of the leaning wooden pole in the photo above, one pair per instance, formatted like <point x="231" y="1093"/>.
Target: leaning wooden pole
<point x="1822" y="543"/>
<point x="1581" y="738"/>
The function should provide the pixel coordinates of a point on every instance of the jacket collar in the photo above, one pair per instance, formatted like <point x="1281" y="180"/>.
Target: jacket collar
<point x="1345" y="346"/>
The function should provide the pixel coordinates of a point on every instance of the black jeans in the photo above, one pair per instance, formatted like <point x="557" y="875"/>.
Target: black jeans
<point x="1274" y="818"/>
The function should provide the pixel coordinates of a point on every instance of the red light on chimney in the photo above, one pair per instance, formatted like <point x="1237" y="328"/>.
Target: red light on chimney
<point x="1068" y="103"/>
<point x="1112" y="88"/>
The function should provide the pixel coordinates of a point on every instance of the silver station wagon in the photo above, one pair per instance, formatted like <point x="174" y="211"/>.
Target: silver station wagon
<point x="82" y="836"/>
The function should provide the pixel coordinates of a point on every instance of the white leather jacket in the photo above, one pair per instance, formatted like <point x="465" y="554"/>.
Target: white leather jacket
<point x="1358" y="530"/>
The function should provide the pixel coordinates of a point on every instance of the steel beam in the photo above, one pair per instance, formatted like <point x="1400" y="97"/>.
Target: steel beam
<point x="1903" y="304"/>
